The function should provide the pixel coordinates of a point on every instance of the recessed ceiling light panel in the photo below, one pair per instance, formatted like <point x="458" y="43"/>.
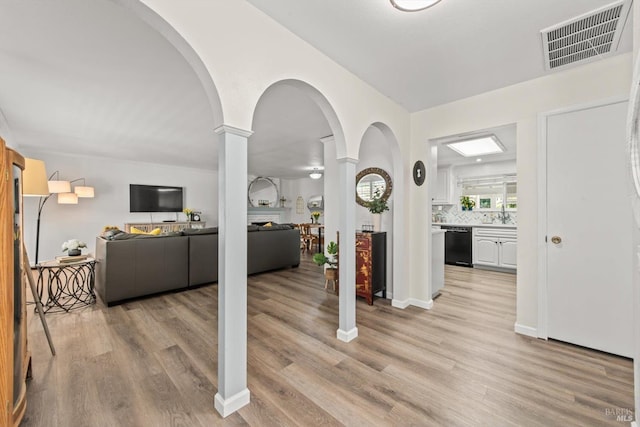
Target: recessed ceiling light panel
<point x="479" y="146"/>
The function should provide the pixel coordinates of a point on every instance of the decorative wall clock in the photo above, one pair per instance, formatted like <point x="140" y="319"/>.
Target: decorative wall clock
<point x="419" y="173"/>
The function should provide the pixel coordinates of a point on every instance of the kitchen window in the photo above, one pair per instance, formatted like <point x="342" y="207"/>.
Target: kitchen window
<point x="491" y="193"/>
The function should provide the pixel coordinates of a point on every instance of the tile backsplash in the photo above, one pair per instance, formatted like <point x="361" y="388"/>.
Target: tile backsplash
<point x="452" y="214"/>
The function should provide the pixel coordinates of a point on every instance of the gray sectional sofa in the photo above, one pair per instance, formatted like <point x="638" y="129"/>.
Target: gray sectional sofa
<point x="135" y="265"/>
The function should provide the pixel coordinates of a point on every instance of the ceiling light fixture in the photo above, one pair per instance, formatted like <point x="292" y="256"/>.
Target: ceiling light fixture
<point x="477" y="146"/>
<point x="315" y="174"/>
<point x="413" y="5"/>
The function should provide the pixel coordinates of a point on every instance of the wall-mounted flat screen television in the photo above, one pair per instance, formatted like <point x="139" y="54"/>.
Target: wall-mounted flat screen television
<point x="154" y="198"/>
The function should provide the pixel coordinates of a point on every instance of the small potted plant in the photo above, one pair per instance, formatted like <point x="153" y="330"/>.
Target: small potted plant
<point x="467" y="203"/>
<point x="331" y="273"/>
<point x="376" y="206"/>
<point x="73" y="246"/>
<point x="315" y="215"/>
<point x="188" y="212"/>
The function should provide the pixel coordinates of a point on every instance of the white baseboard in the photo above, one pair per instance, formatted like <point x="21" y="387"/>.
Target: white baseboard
<point x="347" y="336"/>
<point x="228" y="406"/>
<point x="427" y="305"/>
<point x="525" y="330"/>
<point x="400" y="304"/>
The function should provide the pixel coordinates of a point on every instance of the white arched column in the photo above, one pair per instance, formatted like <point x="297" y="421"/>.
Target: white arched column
<point x="331" y="183"/>
<point x="233" y="393"/>
<point x="347" y="329"/>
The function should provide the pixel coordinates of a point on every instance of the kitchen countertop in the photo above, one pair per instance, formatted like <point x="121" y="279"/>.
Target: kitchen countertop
<point x="509" y="226"/>
<point x="437" y="231"/>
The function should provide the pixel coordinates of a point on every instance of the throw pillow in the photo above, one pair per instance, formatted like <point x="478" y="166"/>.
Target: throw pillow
<point x="137" y="231"/>
<point x="268" y="224"/>
<point x="155" y="232"/>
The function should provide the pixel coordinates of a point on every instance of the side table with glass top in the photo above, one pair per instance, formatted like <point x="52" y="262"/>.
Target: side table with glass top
<point x="69" y="285"/>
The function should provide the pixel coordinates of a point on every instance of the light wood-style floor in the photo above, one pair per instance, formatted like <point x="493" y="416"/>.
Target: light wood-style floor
<point x="152" y="362"/>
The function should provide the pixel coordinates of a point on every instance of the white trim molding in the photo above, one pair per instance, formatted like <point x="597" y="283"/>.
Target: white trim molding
<point x="400" y="304"/>
<point x="233" y="130"/>
<point x="232" y="404"/>
<point x="347" y="336"/>
<point x="347" y="160"/>
<point x="427" y="305"/>
<point x="525" y="330"/>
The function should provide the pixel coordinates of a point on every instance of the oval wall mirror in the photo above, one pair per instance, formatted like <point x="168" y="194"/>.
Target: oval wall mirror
<point x="263" y="192"/>
<point x="372" y="181"/>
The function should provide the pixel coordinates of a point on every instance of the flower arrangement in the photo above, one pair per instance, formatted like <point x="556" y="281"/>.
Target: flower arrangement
<point x="315" y="215"/>
<point x="377" y="205"/>
<point x="188" y="212"/>
<point x="73" y="246"/>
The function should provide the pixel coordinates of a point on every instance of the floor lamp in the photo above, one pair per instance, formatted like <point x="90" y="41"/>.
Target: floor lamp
<point x="34" y="184"/>
<point x="56" y="186"/>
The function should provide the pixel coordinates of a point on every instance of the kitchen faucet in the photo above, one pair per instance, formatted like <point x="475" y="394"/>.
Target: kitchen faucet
<point x="504" y="217"/>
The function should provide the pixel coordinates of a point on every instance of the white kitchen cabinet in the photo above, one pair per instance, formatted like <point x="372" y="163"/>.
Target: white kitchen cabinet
<point x="443" y="191"/>
<point x="495" y="247"/>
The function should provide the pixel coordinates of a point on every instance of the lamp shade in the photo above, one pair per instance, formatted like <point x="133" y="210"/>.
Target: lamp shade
<point x="59" y="187"/>
<point x="83" y="191"/>
<point x="67" y="198"/>
<point x="34" y="178"/>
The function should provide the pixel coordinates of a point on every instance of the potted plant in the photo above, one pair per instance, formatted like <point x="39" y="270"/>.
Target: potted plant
<point x="467" y="203"/>
<point x="331" y="273"/>
<point x="376" y="206"/>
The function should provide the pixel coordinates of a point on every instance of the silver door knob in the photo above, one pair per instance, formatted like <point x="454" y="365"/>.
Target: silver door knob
<point x="556" y="240"/>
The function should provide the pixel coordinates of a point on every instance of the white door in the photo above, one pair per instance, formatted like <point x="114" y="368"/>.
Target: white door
<point x="589" y="270"/>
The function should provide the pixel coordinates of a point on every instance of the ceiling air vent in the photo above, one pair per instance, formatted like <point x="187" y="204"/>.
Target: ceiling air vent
<point x="587" y="37"/>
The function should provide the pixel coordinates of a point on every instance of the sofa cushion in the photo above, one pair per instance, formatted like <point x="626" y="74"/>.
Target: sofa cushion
<point x="195" y="231"/>
<point x="130" y="236"/>
<point x="276" y="227"/>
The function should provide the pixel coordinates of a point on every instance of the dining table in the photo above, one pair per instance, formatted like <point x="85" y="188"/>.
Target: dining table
<point x="320" y="228"/>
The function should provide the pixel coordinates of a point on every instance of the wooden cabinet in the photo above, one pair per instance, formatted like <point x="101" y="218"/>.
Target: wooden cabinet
<point x="371" y="265"/>
<point x="443" y="191"/>
<point x="14" y="355"/>
<point x="495" y="247"/>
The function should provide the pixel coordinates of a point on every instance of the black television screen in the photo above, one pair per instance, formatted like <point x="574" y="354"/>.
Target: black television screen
<point x="154" y="198"/>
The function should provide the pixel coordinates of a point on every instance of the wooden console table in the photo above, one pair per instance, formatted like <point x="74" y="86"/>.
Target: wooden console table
<point x="166" y="227"/>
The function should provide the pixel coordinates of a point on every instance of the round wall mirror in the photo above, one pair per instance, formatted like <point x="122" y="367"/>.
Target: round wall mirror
<point x="263" y="192"/>
<point x="315" y="203"/>
<point x="371" y="182"/>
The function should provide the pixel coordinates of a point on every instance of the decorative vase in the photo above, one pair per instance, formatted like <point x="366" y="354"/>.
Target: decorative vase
<point x="377" y="221"/>
<point x="74" y="252"/>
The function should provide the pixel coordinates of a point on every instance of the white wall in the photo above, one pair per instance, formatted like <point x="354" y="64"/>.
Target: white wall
<point x="305" y="187"/>
<point x="111" y="179"/>
<point x="521" y="104"/>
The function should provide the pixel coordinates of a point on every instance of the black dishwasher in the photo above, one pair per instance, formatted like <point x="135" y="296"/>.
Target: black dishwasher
<point x="458" y="245"/>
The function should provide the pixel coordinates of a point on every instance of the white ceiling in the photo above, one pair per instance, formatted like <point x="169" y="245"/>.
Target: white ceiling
<point x="87" y="77"/>
<point x="453" y="50"/>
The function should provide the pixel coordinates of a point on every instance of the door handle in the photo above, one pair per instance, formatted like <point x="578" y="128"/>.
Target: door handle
<point x="556" y="240"/>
